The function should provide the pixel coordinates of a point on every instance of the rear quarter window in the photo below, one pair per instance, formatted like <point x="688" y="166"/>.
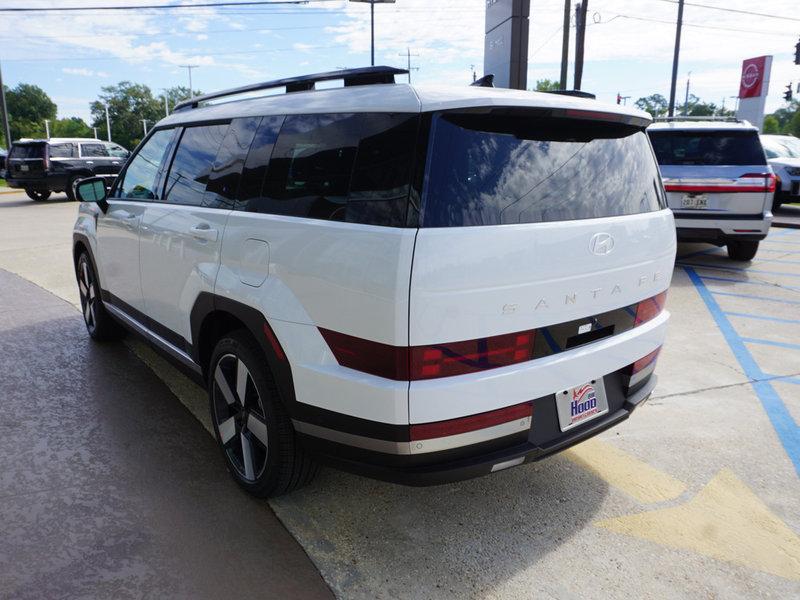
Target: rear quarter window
<point x="510" y="167"/>
<point x="709" y="148"/>
<point x="24" y="151"/>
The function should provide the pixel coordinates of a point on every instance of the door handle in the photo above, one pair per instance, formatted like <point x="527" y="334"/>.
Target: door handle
<point x="204" y="232"/>
<point x="123" y="215"/>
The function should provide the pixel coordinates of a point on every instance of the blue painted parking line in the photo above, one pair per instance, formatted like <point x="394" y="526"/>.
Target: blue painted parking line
<point x="751" y="297"/>
<point x="745" y="281"/>
<point x="763" y="318"/>
<point x="782" y="421"/>
<point x="771" y="343"/>
<point x="741" y="269"/>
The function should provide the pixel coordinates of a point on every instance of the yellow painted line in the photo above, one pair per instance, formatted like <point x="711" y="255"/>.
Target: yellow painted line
<point x="631" y="475"/>
<point x="725" y="521"/>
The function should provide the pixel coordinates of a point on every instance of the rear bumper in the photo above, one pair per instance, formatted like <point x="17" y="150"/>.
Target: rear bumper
<point x="542" y="439"/>
<point x="719" y="229"/>
<point x="54" y="183"/>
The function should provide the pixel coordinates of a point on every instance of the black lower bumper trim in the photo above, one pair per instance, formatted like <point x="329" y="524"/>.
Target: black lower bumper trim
<point x="715" y="236"/>
<point x="516" y="451"/>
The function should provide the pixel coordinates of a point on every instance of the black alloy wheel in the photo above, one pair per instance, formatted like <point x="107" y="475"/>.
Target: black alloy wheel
<point x="38" y="195"/>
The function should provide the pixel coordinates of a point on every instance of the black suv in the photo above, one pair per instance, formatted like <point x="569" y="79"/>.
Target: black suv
<point x="42" y="167"/>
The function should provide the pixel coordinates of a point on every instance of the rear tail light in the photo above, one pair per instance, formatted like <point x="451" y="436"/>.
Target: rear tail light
<point x="460" y="358"/>
<point x="416" y="363"/>
<point x="649" y="309"/>
<point x="439" y="429"/>
<point x="749" y="182"/>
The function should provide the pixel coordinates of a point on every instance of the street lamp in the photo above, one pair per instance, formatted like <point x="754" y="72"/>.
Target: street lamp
<point x="372" y="4"/>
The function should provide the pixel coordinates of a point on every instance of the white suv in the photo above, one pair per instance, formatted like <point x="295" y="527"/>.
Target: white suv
<point x="420" y="285"/>
<point x="717" y="180"/>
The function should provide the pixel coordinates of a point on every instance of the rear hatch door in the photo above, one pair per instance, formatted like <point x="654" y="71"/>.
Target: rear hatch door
<point x="713" y="173"/>
<point x="529" y="223"/>
<point x="27" y="160"/>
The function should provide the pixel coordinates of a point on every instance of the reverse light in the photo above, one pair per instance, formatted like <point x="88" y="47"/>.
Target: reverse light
<point x="649" y="309"/>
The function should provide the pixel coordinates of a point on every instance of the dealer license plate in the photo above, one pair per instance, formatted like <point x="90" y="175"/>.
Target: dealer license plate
<point x="694" y="201"/>
<point x="581" y="404"/>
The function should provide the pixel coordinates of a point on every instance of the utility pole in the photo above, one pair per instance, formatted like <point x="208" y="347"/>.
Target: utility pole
<point x="144" y="126"/>
<point x="675" y="57"/>
<point x="565" y="44"/>
<point x="372" y="23"/>
<point x="686" y="102"/>
<point x="190" y="67"/>
<point x="166" y="105"/>
<point x="47" y="129"/>
<point x="4" y="112"/>
<point x="408" y="56"/>
<point x="108" y="124"/>
<point x="736" y="106"/>
<point x="580" y="38"/>
<point x="95" y="132"/>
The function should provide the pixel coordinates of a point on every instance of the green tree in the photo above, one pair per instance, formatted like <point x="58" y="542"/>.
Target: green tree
<point x="71" y="127"/>
<point x="655" y="104"/>
<point x="771" y="125"/>
<point x="28" y="106"/>
<point x="176" y="94"/>
<point x="793" y="126"/>
<point x="128" y="103"/>
<point x="547" y="85"/>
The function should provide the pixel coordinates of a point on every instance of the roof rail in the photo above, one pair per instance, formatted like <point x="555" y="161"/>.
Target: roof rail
<point x="693" y="118"/>
<point x="361" y="76"/>
<point x="576" y="93"/>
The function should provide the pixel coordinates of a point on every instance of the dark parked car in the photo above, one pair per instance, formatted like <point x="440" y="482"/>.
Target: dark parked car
<point x="3" y="155"/>
<point x="42" y="167"/>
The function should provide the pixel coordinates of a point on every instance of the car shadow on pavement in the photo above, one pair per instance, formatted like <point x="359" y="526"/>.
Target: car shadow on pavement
<point x="109" y="488"/>
<point x="25" y="201"/>
<point x="377" y="540"/>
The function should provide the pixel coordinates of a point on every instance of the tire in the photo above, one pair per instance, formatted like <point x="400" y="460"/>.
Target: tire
<point x="742" y="251"/>
<point x="100" y="325"/>
<point x="254" y="431"/>
<point x="70" y="189"/>
<point x="38" y="195"/>
<point x="776" y="201"/>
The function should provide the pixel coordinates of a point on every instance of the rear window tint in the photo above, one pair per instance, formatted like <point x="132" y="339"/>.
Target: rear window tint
<point x="27" y="151"/>
<point x="710" y="148"/>
<point x="503" y="168"/>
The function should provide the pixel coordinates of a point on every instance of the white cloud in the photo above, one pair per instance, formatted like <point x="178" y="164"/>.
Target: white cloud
<point x="84" y="72"/>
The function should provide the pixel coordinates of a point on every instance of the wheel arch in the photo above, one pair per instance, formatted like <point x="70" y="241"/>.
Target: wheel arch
<point x="81" y="244"/>
<point x="213" y="316"/>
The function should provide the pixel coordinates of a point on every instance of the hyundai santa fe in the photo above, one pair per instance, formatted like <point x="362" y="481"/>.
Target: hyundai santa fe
<point x="417" y="284"/>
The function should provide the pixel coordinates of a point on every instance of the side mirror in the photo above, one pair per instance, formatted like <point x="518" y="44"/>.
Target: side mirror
<point x="93" y="190"/>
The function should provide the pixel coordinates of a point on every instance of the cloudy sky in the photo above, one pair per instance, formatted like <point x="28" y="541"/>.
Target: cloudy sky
<point x="629" y="44"/>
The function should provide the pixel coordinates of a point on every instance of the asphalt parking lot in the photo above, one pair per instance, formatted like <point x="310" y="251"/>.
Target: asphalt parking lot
<point x="695" y="496"/>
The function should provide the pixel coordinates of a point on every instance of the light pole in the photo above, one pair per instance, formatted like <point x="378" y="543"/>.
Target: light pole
<point x="675" y="57"/>
<point x="190" y="67"/>
<point x="47" y="129"/>
<point x="372" y="4"/>
<point x="144" y="127"/>
<point x="108" y="123"/>
<point x="166" y="105"/>
<point x="4" y="112"/>
<point x="95" y="132"/>
<point x="686" y="102"/>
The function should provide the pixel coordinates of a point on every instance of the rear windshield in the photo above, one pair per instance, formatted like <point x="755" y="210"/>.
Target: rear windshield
<point x="27" y="151"/>
<point x="783" y="147"/>
<point x="711" y="148"/>
<point x="502" y="168"/>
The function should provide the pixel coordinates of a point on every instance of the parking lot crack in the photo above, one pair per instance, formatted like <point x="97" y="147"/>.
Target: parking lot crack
<point x="727" y="386"/>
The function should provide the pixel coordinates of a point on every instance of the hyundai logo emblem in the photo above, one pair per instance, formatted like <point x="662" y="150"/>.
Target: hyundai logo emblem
<point x="601" y="244"/>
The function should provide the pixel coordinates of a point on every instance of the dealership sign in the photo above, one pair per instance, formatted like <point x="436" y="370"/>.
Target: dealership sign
<point x="753" y="89"/>
<point x="752" y="82"/>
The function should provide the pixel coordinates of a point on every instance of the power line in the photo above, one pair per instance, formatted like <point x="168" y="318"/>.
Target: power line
<point x="734" y="10"/>
<point x="156" y="6"/>
<point x="696" y="25"/>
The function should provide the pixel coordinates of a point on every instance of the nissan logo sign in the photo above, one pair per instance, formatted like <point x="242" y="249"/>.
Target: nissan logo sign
<point x="601" y="244"/>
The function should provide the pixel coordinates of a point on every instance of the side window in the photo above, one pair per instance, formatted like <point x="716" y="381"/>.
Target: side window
<point x="93" y="150"/>
<point x="223" y="183"/>
<point x="117" y="151"/>
<point x="255" y="167"/>
<point x="192" y="165"/>
<point x="62" y="151"/>
<point x="341" y="167"/>
<point x="139" y="179"/>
